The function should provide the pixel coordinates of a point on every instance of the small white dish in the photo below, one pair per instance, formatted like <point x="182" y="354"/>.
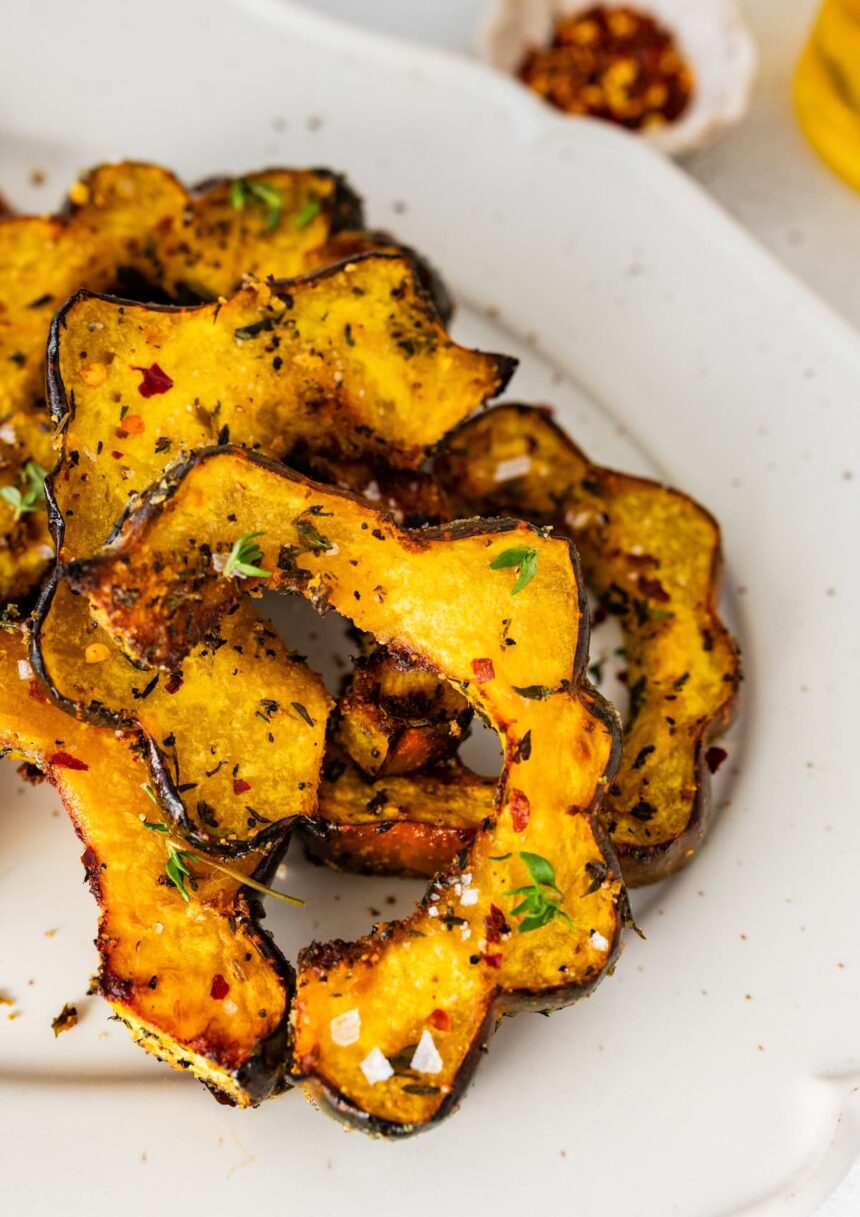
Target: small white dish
<point x="712" y="36"/>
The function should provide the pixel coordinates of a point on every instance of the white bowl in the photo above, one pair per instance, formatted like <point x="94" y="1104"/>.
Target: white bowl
<point x="711" y="35"/>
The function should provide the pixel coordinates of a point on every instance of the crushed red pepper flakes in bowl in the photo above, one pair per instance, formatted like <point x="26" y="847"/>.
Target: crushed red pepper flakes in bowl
<point x="617" y="64"/>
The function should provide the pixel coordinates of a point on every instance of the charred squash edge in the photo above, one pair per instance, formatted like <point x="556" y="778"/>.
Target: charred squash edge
<point x="60" y="405"/>
<point x="83" y="574"/>
<point x="642" y="865"/>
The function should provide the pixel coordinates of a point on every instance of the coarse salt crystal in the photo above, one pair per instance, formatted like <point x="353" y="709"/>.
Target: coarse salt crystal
<point x="281" y="872"/>
<point x="433" y="911"/>
<point x="159" y="928"/>
<point x="465" y="931"/>
<point x="470" y="896"/>
<point x="516" y="467"/>
<point x="25" y="672"/>
<point x="345" y="1028"/>
<point x="598" y="941"/>
<point x="230" y="1006"/>
<point x="377" y="1068"/>
<point x="426" y="1058"/>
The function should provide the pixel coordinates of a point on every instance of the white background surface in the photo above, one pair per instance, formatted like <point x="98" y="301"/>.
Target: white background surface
<point x="763" y="172"/>
<point x="772" y="464"/>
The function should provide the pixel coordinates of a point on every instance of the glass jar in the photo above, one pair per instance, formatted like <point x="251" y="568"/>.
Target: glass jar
<point x="827" y="88"/>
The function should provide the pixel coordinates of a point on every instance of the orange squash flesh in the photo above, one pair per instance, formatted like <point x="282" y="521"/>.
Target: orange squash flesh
<point x="460" y="952"/>
<point x="652" y="556"/>
<point x="346" y="353"/>
<point x="396" y="718"/>
<point x="411" y="824"/>
<point x="160" y="957"/>
<point x="134" y="227"/>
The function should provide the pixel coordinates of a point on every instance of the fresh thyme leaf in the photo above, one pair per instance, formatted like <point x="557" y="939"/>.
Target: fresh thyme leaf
<point x="265" y="195"/>
<point x="500" y="857"/>
<point x="244" y="558"/>
<point x="309" y="212"/>
<point x="31" y="499"/>
<point x="534" y="692"/>
<point x="540" y="869"/>
<point x="522" y="556"/>
<point x="177" y="868"/>
<point x="237" y="193"/>
<point x="538" y="907"/>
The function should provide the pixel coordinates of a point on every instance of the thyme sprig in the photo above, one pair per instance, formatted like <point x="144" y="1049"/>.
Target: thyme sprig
<point x="31" y="499"/>
<point x="243" y="191"/>
<point x="539" y="905"/>
<point x="177" y="870"/>
<point x="244" y="558"/>
<point x="522" y="556"/>
<point x="309" y="212"/>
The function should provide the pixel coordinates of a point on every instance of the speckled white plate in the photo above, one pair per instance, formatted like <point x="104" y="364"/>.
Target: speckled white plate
<point x="716" y="1073"/>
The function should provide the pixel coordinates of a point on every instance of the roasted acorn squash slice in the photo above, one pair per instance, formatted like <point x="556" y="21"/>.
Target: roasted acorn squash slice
<point x="396" y="717"/>
<point x="409" y="824"/>
<point x="652" y="556"/>
<point x="345" y="354"/>
<point x="197" y="983"/>
<point x="388" y="1029"/>
<point x="134" y="227"/>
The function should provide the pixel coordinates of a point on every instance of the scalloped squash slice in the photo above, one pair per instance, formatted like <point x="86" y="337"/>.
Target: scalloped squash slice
<point x="408" y="824"/>
<point x="196" y="982"/>
<point x="346" y="357"/>
<point x="652" y="556"/>
<point x="134" y="229"/>
<point x="388" y="1029"/>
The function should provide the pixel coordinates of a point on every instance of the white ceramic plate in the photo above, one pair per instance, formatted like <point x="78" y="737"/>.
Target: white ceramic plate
<point x="716" y="1073"/>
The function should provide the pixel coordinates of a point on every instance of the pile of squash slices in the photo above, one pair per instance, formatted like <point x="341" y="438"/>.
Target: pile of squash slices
<point x="209" y="394"/>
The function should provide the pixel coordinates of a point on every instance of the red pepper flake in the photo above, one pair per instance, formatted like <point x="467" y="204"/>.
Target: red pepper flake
<point x="714" y="757"/>
<point x="174" y="684"/>
<point x="492" y="961"/>
<point x="520" y="810"/>
<point x="240" y="786"/>
<point x="440" y="1019"/>
<point x="63" y="760"/>
<point x="653" y="588"/>
<point x="117" y="456"/>
<point x="484" y="670"/>
<point x="155" y="380"/>
<point x="613" y="63"/>
<point x="132" y="424"/>
<point x="494" y="924"/>
<point x="220" y="988"/>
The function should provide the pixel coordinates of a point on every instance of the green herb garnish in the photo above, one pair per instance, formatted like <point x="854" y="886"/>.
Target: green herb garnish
<point x="242" y="191"/>
<point x="302" y="711"/>
<point x="177" y="868"/>
<point x="533" y="692"/>
<point x="309" y="212"/>
<point x="310" y="537"/>
<point x="244" y="559"/>
<point x="521" y="556"/>
<point x="31" y="499"/>
<point x="538" y="906"/>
